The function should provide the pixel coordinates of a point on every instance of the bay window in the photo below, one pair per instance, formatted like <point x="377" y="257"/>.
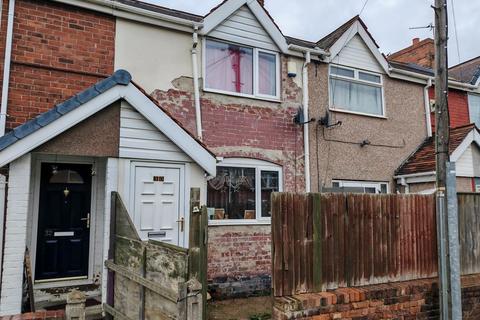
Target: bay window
<point x="241" y="70"/>
<point x="240" y="193"/>
<point x="356" y="91"/>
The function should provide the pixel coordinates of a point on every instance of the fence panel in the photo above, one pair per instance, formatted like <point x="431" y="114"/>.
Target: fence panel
<point x="326" y="241"/>
<point x="469" y="232"/>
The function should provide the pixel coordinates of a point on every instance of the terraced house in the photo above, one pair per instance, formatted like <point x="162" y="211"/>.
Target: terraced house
<point x="150" y="102"/>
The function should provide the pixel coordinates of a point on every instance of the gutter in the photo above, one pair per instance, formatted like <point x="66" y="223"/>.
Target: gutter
<point x="428" y="119"/>
<point x="414" y="175"/>
<point x="451" y="83"/>
<point x="119" y="9"/>
<point x="196" y="89"/>
<point x="6" y="67"/>
<point x="315" y="51"/>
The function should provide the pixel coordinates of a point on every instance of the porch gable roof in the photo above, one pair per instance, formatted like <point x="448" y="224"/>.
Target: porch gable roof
<point x="65" y="115"/>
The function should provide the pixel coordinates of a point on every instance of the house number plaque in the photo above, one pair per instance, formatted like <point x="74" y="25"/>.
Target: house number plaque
<point x="158" y="178"/>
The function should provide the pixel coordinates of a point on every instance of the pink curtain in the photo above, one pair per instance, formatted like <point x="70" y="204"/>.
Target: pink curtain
<point x="229" y="67"/>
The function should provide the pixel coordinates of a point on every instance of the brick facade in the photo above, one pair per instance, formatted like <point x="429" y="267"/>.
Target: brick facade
<point x="57" y="51"/>
<point x="402" y="300"/>
<point x="420" y="52"/>
<point x="457" y="107"/>
<point x="239" y="256"/>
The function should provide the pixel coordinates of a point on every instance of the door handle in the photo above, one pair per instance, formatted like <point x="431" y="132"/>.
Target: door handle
<point x="182" y="223"/>
<point x="87" y="219"/>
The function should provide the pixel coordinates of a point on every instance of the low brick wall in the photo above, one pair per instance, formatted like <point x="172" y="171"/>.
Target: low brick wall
<point x="40" y="315"/>
<point x="239" y="261"/>
<point x="402" y="300"/>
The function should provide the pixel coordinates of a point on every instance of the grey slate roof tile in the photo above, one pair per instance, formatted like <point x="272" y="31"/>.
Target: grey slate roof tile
<point x="47" y="117"/>
<point x="120" y="77"/>
<point x="7" y="140"/>
<point x="26" y="129"/>
<point x="68" y="105"/>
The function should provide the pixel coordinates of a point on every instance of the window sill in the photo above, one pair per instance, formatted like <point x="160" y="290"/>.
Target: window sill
<point x="242" y="95"/>
<point x="239" y="222"/>
<point x="357" y="113"/>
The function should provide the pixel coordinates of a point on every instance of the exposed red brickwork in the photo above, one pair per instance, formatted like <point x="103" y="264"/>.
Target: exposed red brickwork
<point x="420" y="52"/>
<point x="401" y="300"/>
<point x="58" y="50"/>
<point x="3" y="33"/>
<point x="243" y="256"/>
<point x="238" y="127"/>
<point x="457" y="107"/>
<point x="39" y="315"/>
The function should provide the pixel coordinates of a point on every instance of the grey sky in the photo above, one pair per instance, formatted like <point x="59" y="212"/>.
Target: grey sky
<point x="387" y="20"/>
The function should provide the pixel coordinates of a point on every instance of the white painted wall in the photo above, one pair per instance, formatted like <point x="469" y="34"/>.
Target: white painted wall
<point x="154" y="56"/>
<point x="243" y="27"/>
<point x="357" y="55"/>
<point x="19" y="197"/>
<point x="468" y="165"/>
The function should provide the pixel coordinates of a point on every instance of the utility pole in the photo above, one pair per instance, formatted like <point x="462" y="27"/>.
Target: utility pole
<point x="447" y="215"/>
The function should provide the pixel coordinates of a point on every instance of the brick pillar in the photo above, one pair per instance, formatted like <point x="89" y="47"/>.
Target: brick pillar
<point x="15" y="235"/>
<point x="75" y="308"/>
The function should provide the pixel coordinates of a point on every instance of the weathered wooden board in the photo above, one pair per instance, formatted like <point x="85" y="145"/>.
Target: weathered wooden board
<point x="326" y="241"/>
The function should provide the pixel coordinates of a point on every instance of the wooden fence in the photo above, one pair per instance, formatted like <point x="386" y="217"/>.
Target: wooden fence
<point x="327" y="241"/>
<point x="151" y="279"/>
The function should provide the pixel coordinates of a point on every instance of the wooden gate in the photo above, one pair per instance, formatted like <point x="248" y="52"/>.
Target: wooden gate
<point x="155" y="280"/>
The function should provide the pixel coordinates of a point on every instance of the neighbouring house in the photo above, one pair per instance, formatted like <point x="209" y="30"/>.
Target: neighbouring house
<point x="417" y="173"/>
<point x="369" y="115"/>
<point x="419" y="58"/>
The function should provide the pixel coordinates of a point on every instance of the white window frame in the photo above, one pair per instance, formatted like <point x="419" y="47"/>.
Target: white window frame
<point x="362" y="184"/>
<point x="256" y="94"/>
<point x="259" y="166"/>
<point x="355" y="79"/>
<point x="470" y="96"/>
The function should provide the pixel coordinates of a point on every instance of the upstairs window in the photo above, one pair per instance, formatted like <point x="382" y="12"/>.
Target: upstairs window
<point x="356" y="91"/>
<point x="474" y="108"/>
<point x="235" y="69"/>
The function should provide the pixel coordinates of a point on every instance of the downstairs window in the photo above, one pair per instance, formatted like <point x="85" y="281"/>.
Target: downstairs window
<point x="240" y="193"/>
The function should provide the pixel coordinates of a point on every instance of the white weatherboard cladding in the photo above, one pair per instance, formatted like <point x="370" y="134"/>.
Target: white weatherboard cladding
<point x="141" y="139"/>
<point x="243" y="27"/>
<point x="468" y="165"/>
<point x="356" y="54"/>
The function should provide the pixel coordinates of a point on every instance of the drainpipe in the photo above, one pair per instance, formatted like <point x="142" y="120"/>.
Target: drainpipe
<point x="196" y="89"/>
<point x="403" y="182"/>
<point x="306" y="144"/>
<point x="6" y="67"/>
<point x="428" y="119"/>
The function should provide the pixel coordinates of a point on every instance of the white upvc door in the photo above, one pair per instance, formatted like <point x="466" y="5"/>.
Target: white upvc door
<point x="158" y="202"/>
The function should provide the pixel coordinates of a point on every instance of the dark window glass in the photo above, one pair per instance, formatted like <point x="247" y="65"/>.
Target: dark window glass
<point x="269" y="183"/>
<point x="232" y="193"/>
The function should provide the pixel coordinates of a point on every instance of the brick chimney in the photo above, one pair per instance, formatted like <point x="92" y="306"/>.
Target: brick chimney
<point x="420" y="52"/>
<point x="262" y="2"/>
